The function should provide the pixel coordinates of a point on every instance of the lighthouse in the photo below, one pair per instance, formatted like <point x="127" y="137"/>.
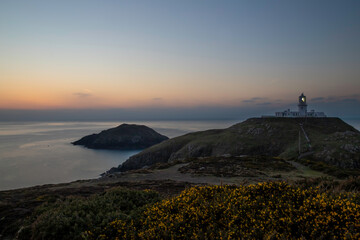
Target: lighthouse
<point x="302" y="112"/>
<point x="302" y="105"/>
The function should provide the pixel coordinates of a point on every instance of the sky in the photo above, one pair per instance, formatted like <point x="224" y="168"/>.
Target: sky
<point x="177" y="59"/>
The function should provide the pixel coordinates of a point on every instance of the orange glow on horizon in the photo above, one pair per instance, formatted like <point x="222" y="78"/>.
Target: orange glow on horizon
<point x="35" y="89"/>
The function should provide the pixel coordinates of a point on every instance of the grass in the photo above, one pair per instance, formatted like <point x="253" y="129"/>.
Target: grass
<point x="335" y="171"/>
<point x="250" y="166"/>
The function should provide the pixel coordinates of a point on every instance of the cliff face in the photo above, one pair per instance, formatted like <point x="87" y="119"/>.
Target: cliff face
<point x="331" y="140"/>
<point x="123" y="137"/>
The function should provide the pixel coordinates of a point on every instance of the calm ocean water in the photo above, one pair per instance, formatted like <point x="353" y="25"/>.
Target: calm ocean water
<point x="37" y="153"/>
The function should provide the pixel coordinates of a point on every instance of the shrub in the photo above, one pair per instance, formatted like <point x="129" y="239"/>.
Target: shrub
<point x="272" y="210"/>
<point x="69" y="218"/>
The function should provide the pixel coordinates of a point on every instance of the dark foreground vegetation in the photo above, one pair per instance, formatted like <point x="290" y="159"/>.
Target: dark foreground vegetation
<point x="21" y="209"/>
<point x="67" y="219"/>
<point x="306" y="209"/>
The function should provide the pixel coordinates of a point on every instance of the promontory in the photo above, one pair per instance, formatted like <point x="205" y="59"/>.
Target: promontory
<point x="327" y="140"/>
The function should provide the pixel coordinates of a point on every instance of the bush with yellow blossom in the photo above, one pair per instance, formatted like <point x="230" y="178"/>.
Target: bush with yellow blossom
<point x="271" y="210"/>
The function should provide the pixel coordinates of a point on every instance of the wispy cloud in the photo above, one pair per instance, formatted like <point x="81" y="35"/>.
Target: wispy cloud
<point x="157" y="99"/>
<point x="317" y="99"/>
<point x="257" y="101"/>
<point x="263" y="103"/>
<point x="258" y="98"/>
<point x="350" y="100"/>
<point x="84" y="93"/>
<point x="346" y="98"/>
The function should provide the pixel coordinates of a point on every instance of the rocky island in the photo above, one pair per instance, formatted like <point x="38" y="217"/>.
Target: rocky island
<point x="123" y="137"/>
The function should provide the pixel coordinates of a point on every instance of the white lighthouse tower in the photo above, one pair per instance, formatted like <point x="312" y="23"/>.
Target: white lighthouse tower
<point x="302" y="105"/>
<point x="302" y="112"/>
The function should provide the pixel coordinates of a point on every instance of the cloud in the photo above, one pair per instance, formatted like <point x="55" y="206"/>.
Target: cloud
<point x="256" y="100"/>
<point x="348" y="109"/>
<point x="83" y="94"/>
<point x="157" y="99"/>
<point x="317" y="99"/>
<point x="350" y="100"/>
<point x="334" y="99"/>
<point x="264" y="103"/>
<point x="248" y="101"/>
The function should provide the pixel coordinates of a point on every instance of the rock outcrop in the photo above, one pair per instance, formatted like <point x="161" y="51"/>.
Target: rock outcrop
<point x="123" y="137"/>
<point x="332" y="141"/>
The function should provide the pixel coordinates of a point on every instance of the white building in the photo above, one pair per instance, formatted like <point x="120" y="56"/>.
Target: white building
<point x="302" y="110"/>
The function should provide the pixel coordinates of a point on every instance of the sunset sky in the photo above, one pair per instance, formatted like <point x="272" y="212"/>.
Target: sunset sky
<point x="250" y="56"/>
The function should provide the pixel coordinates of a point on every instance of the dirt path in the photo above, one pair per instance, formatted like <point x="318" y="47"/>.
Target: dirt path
<point x="173" y="174"/>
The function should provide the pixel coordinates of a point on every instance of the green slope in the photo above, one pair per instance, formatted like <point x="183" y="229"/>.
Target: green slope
<point x="332" y="141"/>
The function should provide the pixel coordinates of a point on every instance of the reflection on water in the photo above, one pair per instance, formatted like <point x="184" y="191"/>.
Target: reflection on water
<point x="41" y="152"/>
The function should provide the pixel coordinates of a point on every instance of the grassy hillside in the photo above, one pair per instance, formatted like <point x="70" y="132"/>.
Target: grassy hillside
<point x="332" y="141"/>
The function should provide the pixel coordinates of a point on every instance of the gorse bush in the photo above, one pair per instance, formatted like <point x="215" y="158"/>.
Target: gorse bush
<point x="273" y="210"/>
<point x="69" y="218"/>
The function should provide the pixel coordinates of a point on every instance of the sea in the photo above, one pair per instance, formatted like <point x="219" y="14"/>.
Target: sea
<point x="37" y="153"/>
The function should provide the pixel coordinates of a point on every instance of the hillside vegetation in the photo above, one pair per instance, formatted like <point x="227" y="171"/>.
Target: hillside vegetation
<point x="272" y="210"/>
<point x="67" y="219"/>
<point x="331" y="141"/>
<point x="306" y="209"/>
